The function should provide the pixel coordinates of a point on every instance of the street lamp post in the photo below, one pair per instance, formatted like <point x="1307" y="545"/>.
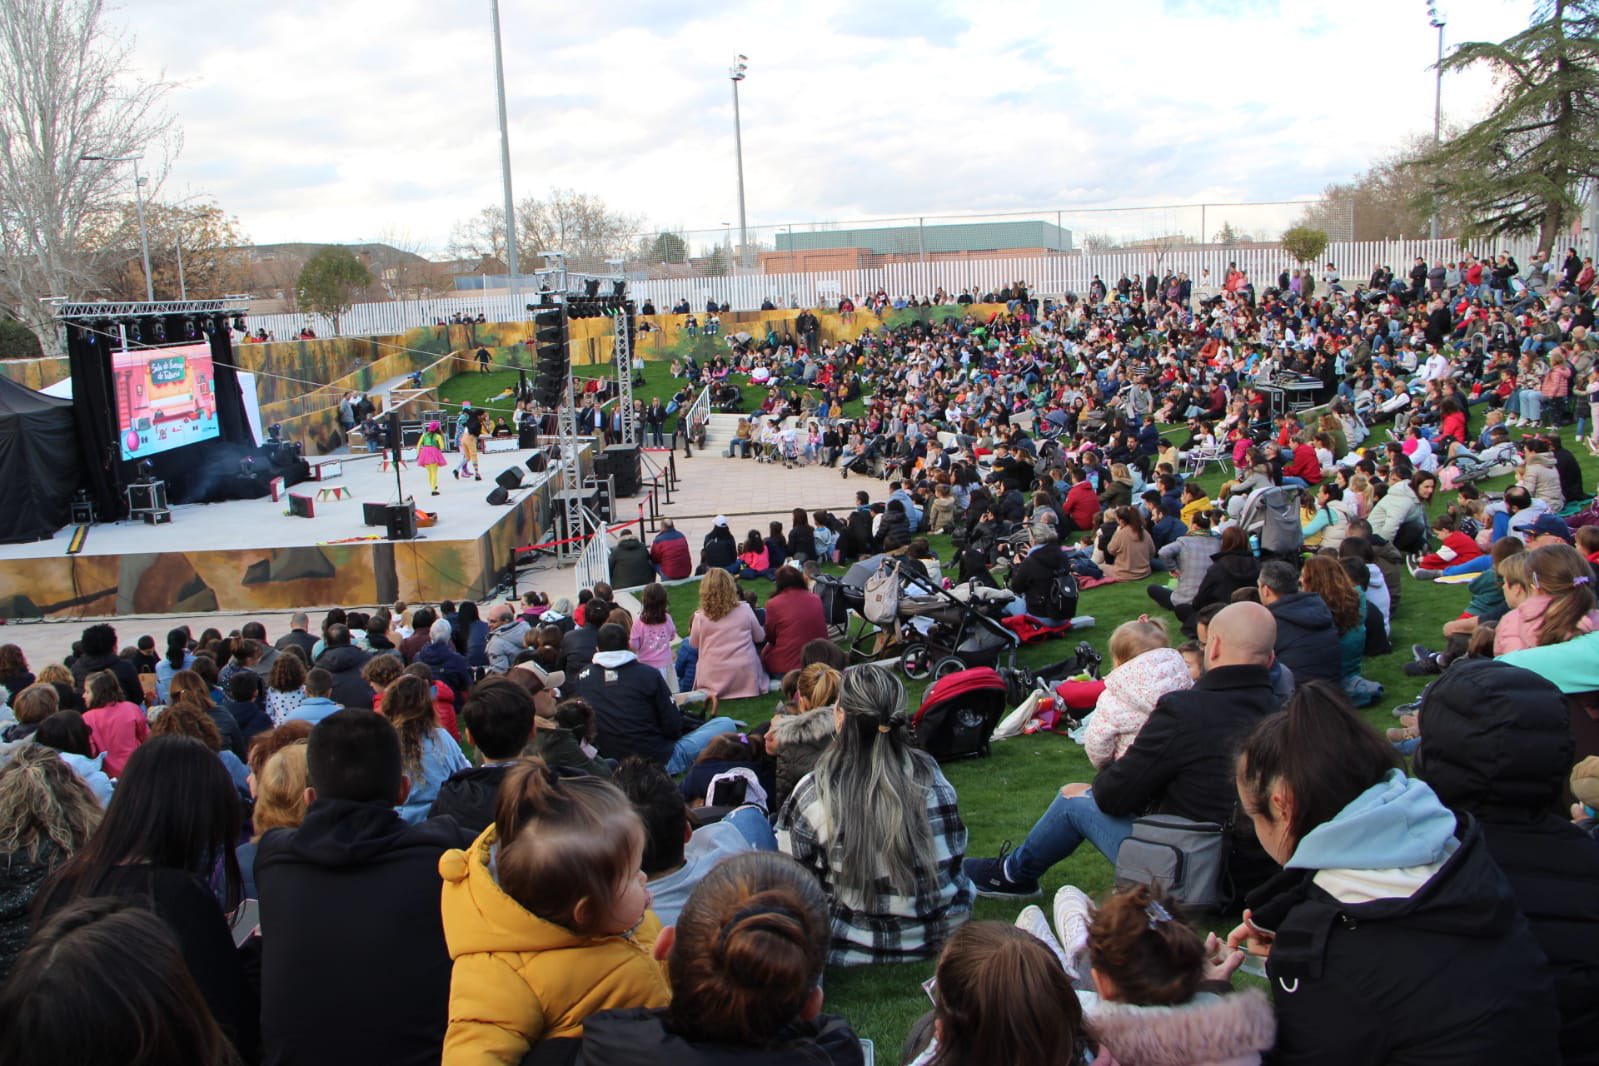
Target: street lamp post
<point x="1437" y="22"/>
<point x="138" y="204"/>
<point x="737" y="74"/>
<point x="511" y="264"/>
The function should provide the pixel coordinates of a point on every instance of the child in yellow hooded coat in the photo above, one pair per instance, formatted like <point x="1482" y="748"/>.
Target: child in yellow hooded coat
<point x="550" y="926"/>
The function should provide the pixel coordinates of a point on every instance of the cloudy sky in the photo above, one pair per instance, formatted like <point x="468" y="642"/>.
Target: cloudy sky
<point x="361" y="119"/>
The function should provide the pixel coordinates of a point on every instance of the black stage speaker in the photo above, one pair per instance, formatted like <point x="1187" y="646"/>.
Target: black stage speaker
<point x="374" y="514"/>
<point x="396" y="437"/>
<point x="538" y="462"/>
<point x="623" y="464"/>
<point x="401" y="521"/>
<point x="510" y="478"/>
<point x="498" y="495"/>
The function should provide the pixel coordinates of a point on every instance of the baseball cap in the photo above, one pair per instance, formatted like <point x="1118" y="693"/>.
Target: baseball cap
<point x="719" y="520"/>
<point x="1550" y="526"/>
<point x="547" y="678"/>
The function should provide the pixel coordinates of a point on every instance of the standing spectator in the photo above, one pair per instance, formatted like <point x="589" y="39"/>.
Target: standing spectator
<point x="726" y="635"/>
<point x="894" y="882"/>
<point x="351" y="895"/>
<point x="654" y="633"/>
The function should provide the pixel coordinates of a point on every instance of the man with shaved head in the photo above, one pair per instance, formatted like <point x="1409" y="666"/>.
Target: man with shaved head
<point x="1181" y="764"/>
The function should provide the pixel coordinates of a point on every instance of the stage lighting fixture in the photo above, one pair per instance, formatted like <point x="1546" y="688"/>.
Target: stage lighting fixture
<point x="618" y="289"/>
<point x="238" y="323"/>
<point x="158" y="331"/>
<point x="131" y="327"/>
<point x="591" y="287"/>
<point x="147" y="470"/>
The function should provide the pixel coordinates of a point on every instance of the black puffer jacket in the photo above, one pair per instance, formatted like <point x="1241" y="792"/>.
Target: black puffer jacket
<point x="630" y="564"/>
<point x="1496" y="742"/>
<point x="1229" y="572"/>
<point x="1307" y="639"/>
<point x="345" y="663"/>
<point x="1447" y="976"/>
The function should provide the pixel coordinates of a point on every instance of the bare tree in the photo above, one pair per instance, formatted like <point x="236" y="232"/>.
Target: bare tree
<point x="195" y="248"/>
<point x="482" y="234"/>
<point x="1096" y="243"/>
<point x="579" y="224"/>
<point x="65" y="93"/>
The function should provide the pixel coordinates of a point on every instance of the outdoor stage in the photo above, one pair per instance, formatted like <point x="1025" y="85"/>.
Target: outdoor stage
<point x="248" y="555"/>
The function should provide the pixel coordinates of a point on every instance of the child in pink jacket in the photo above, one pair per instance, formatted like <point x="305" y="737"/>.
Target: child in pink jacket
<point x="1145" y="668"/>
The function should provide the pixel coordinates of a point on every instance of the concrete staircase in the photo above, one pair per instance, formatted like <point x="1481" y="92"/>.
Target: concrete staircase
<point x="718" y="431"/>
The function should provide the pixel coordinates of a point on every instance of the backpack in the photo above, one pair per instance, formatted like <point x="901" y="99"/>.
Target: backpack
<point x="882" y="595"/>
<point x="1061" y="600"/>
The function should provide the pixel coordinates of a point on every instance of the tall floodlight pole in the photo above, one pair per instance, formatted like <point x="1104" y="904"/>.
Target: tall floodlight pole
<point x="737" y="74"/>
<point x="505" y="162"/>
<point x="138" y="204"/>
<point x="1437" y="22"/>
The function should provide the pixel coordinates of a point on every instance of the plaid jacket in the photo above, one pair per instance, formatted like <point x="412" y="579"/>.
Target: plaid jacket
<point x="897" y="927"/>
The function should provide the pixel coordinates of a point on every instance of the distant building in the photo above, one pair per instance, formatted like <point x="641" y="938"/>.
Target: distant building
<point x="859" y="248"/>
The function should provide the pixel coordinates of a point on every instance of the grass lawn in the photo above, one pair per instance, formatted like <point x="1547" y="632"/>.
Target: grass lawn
<point x="1002" y="795"/>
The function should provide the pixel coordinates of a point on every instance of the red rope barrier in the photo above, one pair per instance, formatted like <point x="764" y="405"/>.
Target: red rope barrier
<point x="571" y="540"/>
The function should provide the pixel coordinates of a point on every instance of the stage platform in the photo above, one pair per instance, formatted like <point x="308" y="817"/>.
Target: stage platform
<point x="249" y="555"/>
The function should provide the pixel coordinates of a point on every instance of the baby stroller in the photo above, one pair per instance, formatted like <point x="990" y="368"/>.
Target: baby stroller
<point x="1467" y="467"/>
<point x="958" y="714"/>
<point x="1272" y="515"/>
<point x="946" y="631"/>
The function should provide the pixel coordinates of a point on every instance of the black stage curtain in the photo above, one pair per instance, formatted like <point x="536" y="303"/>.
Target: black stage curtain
<point x="39" y="466"/>
<point x="194" y="474"/>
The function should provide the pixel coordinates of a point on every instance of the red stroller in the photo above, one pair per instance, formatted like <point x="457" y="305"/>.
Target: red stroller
<point x="958" y="714"/>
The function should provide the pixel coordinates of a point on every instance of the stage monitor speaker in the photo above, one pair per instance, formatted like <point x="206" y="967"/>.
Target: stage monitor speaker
<point x="401" y="519"/>
<point x="499" y="496"/>
<point x="625" y="467"/>
<point x="538" y="462"/>
<point x="510" y="478"/>
<point x="374" y="514"/>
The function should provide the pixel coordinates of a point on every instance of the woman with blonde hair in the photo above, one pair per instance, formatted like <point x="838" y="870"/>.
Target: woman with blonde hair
<point x="278" y="780"/>
<point x="798" y="740"/>
<point x="727" y="637"/>
<point x="46" y="814"/>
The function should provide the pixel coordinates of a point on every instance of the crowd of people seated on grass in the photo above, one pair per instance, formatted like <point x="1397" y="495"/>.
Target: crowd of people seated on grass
<point x="503" y="833"/>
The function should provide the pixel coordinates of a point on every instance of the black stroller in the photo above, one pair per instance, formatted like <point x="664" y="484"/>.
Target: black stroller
<point x="943" y="631"/>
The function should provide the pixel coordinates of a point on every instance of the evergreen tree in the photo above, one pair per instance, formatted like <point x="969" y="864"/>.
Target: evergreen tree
<point x="1528" y="164"/>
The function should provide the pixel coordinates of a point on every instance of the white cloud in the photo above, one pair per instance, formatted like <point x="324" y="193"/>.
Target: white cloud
<point x="344" y="121"/>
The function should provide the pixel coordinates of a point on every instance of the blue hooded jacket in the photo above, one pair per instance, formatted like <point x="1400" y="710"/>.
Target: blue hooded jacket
<point x="1397" y="823"/>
